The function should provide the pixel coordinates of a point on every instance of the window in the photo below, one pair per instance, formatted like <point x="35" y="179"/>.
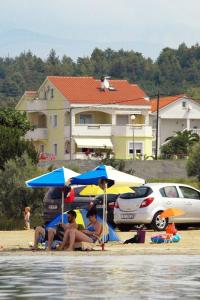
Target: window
<point x="138" y="147"/>
<point x="189" y="193"/>
<point x="41" y="148"/>
<point x="122" y="119"/>
<point x="52" y="93"/>
<point x="85" y="119"/>
<point x="139" y="192"/>
<point x="55" y="149"/>
<point x="169" y="192"/>
<point x="45" y="95"/>
<point x="184" y="104"/>
<point x="54" y="121"/>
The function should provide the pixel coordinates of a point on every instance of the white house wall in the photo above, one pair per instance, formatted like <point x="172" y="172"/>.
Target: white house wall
<point x="169" y="127"/>
<point x="176" y="111"/>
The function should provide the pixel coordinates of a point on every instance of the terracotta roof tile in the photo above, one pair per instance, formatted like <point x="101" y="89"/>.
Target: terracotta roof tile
<point x="86" y="90"/>
<point x="164" y="101"/>
<point x="31" y="93"/>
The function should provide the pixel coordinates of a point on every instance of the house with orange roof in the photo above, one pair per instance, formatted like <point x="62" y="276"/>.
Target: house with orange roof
<point x="76" y="116"/>
<point x="176" y="113"/>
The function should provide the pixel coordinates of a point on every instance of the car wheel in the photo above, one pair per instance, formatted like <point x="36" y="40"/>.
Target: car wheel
<point x="124" y="227"/>
<point x="158" y="223"/>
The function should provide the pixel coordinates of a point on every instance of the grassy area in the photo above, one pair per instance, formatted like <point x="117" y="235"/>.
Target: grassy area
<point x="191" y="181"/>
<point x="18" y="224"/>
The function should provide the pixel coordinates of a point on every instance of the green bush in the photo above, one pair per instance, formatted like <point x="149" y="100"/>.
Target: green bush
<point x="14" y="195"/>
<point x="193" y="164"/>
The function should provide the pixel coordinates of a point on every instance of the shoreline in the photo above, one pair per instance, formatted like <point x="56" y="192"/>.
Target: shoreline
<point x="16" y="243"/>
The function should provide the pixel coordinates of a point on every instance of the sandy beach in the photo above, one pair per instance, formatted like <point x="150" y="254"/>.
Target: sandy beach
<point x="17" y="242"/>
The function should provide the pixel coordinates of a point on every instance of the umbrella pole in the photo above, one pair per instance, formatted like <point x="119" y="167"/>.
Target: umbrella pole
<point x="62" y="206"/>
<point x="104" y="216"/>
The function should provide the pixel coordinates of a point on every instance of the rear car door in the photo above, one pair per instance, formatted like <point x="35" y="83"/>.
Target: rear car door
<point x="172" y="199"/>
<point x="192" y="202"/>
<point x="130" y="202"/>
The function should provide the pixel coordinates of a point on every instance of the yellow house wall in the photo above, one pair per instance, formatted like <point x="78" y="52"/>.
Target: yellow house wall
<point x="67" y="119"/>
<point x="139" y="119"/>
<point x="120" y="146"/>
<point x="33" y="118"/>
<point x="41" y="142"/>
<point x="22" y="104"/>
<point x="97" y="117"/>
<point x="55" y="106"/>
<point x="38" y="120"/>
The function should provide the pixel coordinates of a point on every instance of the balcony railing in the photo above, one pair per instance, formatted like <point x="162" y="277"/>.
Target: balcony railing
<point x="37" y="134"/>
<point x="37" y="105"/>
<point x="196" y="130"/>
<point x="108" y="130"/>
<point x="92" y="130"/>
<point x="127" y="130"/>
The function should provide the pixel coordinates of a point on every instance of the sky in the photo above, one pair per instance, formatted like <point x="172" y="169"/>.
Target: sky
<point x="76" y="27"/>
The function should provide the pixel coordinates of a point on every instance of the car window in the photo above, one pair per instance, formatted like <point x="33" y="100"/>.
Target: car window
<point x="139" y="192"/>
<point x="110" y="198"/>
<point x="189" y="193"/>
<point x="54" y="193"/>
<point x="169" y="192"/>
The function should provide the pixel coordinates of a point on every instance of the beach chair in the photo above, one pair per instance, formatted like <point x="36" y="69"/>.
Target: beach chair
<point x="85" y="246"/>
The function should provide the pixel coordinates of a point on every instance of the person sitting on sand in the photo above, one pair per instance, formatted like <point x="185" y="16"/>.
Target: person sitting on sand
<point x="55" y="233"/>
<point x="89" y="235"/>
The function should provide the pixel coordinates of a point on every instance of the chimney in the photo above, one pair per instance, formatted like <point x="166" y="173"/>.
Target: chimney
<point x="104" y="83"/>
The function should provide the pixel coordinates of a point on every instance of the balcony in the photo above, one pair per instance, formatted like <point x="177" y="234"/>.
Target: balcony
<point x="37" y="105"/>
<point x="37" y="134"/>
<point x="108" y="130"/>
<point x="196" y="130"/>
<point x="92" y="130"/>
<point x="127" y="130"/>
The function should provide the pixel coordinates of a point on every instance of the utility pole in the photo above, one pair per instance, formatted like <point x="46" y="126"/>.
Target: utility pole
<point x="157" y="124"/>
<point x="70" y="133"/>
<point x="133" y="118"/>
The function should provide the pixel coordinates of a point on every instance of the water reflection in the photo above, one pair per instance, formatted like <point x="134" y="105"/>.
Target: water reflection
<point x="102" y="277"/>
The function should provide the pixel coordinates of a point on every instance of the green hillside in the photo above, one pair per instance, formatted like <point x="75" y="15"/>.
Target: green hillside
<point x="175" y="71"/>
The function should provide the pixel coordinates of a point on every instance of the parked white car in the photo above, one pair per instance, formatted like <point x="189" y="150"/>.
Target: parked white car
<point x="144" y="205"/>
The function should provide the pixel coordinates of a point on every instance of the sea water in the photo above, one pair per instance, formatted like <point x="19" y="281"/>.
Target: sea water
<point x="100" y="277"/>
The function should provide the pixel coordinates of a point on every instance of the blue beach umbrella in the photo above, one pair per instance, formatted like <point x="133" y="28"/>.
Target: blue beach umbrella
<point x="109" y="176"/>
<point x="56" y="178"/>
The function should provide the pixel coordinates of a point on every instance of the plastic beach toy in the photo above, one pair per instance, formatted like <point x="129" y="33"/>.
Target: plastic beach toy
<point x="158" y="239"/>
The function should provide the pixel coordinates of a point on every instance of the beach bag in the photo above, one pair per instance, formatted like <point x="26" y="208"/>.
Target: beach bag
<point x="132" y="240"/>
<point x="141" y="236"/>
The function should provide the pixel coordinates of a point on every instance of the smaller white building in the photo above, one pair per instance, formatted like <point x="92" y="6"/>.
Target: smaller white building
<point x="176" y="113"/>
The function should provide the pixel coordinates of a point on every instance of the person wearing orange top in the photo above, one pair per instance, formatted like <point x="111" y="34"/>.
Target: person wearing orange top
<point x="171" y="229"/>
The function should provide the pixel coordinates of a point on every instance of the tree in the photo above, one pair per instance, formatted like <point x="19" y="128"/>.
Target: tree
<point x="11" y="118"/>
<point x="175" y="70"/>
<point x="14" y="195"/>
<point x="13" y="126"/>
<point x="193" y="164"/>
<point x="179" y="144"/>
